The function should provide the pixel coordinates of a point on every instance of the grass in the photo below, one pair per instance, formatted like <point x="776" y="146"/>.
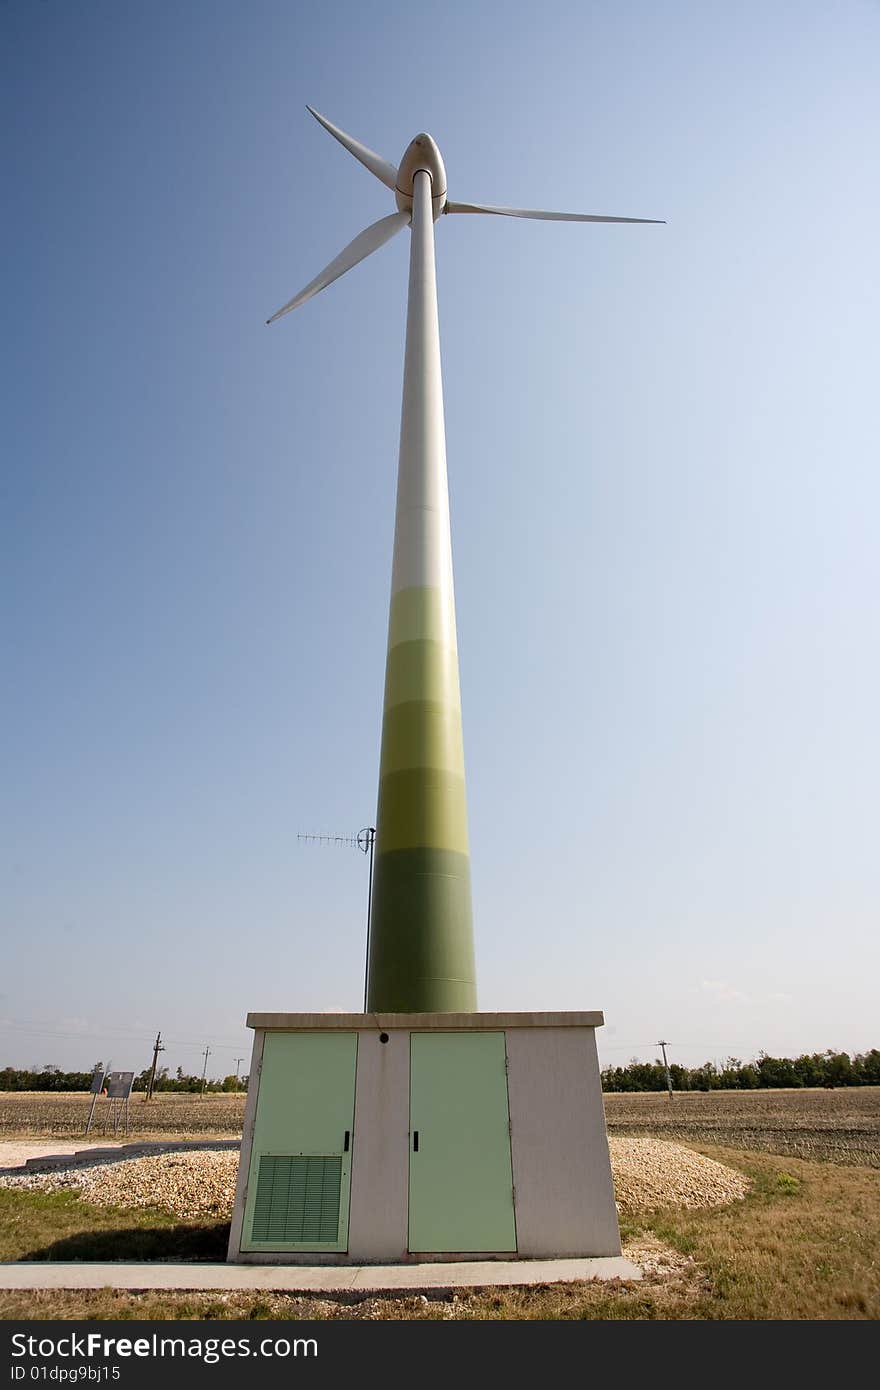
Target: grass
<point x="805" y="1244"/>
<point x="58" y="1226"/>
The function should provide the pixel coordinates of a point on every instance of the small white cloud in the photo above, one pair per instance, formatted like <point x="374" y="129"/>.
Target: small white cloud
<point x="722" y="991"/>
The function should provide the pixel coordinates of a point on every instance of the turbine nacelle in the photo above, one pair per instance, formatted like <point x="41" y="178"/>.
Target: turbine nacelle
<point x="421" y="154"/>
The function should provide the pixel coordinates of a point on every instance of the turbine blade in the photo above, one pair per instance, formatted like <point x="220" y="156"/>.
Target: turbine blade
<point x="363" y="245"/>
<point x="386" y="173"/>
<point x="547" y="216"/>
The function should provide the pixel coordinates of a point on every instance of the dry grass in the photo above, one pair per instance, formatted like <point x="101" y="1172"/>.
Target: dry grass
<point x="804" y="1244"/>
<point x="841" y="1126"/>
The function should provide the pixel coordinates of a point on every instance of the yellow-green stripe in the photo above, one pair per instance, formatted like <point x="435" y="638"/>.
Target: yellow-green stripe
<point x="421" y="954"/>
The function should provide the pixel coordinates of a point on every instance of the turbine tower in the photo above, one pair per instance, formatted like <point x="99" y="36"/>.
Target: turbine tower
<point x="421" y="956"/>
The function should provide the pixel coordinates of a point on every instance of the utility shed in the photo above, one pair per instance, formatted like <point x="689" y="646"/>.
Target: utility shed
<point x="376" y="1138"/>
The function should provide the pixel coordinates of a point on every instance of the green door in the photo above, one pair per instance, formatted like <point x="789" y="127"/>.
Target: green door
<point x="300" y="1171"/>
<point x="460" y="1182"/>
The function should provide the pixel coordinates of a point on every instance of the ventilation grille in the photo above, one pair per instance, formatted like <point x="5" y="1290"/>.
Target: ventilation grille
<point x="298" y="1198"/>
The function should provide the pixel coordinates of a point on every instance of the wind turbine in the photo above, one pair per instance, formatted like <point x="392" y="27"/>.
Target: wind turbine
<point x="421" y="952"/>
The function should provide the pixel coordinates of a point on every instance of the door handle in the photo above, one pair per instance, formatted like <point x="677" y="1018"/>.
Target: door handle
<point x="415" y="1141"/>
<point x="345" y="1146"/>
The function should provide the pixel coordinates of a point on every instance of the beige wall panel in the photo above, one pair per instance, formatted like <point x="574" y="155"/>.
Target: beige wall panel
<point x="378" y="1215"/>
<point x="561" y="1169"/>
<point x="247" y="1139"/>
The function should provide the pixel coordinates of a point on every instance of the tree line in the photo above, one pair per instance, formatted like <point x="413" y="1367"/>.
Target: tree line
<point x="814" y="1069"/>
<point x="828" y="1068"/>
<point x="51" y="1078"/>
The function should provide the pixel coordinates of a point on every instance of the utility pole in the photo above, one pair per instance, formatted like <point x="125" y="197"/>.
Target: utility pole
<point x="158" y="1046"/>
<point x="664" y="1045"/>
<point x="238" y="1062"/>
<point x="364" y="840"/>
<point x="205" y="1068"/>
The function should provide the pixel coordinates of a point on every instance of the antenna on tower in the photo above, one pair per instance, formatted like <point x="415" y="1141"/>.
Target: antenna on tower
<point x="330" y="839"/>
<point x="364" y="841"/>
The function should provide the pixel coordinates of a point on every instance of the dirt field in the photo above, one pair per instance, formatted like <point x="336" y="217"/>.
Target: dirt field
<point x="169" y="1115"/>
<point x="841" y="1126"/>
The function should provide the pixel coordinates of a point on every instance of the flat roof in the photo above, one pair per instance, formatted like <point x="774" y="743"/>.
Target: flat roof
<point x="312" y="1022"/>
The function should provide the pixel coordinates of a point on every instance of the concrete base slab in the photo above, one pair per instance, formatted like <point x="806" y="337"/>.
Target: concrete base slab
<point x="19" y="1155"/>
<point x="99" y="1153"/>
<point x="315" y="1279"/>
<point x="23" y="1156"/>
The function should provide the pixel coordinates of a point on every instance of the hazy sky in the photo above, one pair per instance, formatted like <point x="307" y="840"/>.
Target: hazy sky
<point x="663" y="460"/>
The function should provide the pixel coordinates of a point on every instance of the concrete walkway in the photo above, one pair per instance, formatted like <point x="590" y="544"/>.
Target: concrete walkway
<point x="23" y="1156"/>
<point x="313" y="1279"/>
<point x="18" y="1155"/>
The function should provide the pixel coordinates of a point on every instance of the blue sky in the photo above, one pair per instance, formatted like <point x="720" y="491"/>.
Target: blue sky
<point x="662" y="450"/>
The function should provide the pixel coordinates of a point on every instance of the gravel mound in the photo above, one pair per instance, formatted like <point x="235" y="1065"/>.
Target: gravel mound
<point x="200" y="1183"/>
<point x="648" y="1173"/>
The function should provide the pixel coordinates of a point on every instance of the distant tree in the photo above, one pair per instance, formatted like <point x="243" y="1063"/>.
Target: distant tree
<point x="811" y="1070"/>
<point x="868" y="1066"/>
<point x="839" y="1070"/>
<point x="777" y="1071"/>
<point x="705" y="1078"/>
<point x="681" y="1077"/>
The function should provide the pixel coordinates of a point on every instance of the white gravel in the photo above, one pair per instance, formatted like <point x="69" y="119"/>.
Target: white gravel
<point x="648" y="1173"/>
<point x="651" y="1173"/>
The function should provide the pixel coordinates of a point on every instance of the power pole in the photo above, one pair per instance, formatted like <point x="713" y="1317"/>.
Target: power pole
<point x="158" y="1046"/>
<point x="238" y="1062"/>
<point x="205" y="1068"/>
<point x="664" y="1045"/>
<point x="364" y="840"/>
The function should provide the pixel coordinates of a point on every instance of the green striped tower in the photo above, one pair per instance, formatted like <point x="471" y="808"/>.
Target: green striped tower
<point x="421" y="952"/>
<point x="421" y="937"/>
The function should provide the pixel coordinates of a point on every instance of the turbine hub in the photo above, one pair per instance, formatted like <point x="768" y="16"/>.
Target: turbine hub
<point x="421" y="154"/>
